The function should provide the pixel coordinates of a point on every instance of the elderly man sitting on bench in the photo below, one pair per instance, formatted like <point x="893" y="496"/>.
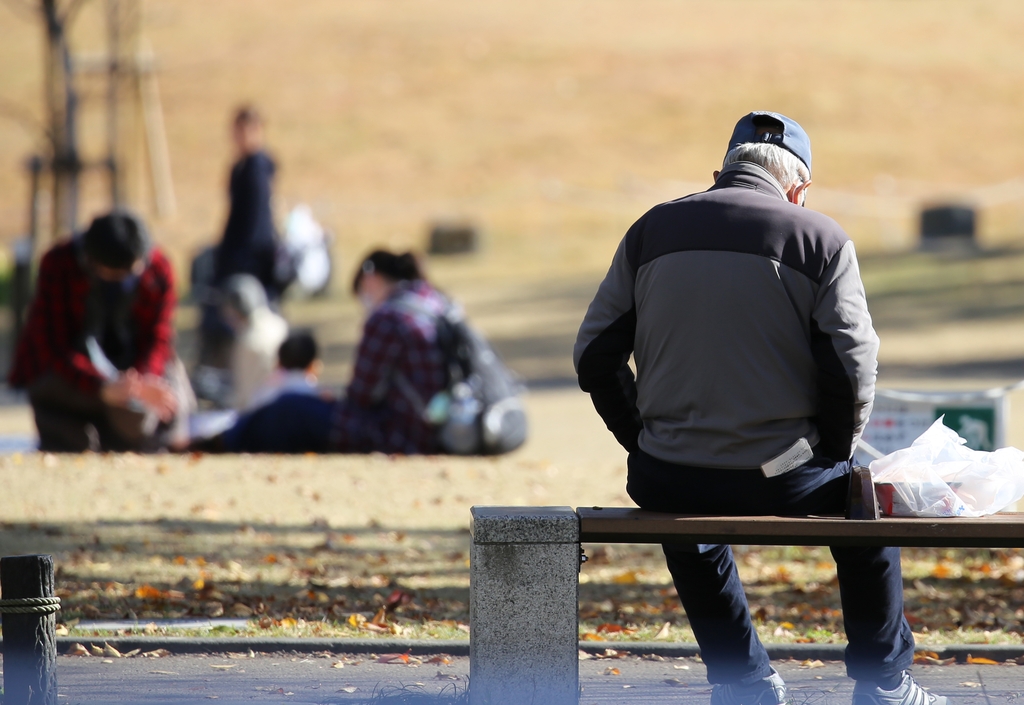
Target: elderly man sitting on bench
<point x="755" y="370"/>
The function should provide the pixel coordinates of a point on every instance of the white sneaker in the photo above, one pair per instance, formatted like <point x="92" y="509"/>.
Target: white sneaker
<point x="767" y="691"/>
<point x="908" y="692"/>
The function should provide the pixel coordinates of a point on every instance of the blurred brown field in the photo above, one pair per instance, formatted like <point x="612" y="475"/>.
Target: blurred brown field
<point x="553" y="124"/>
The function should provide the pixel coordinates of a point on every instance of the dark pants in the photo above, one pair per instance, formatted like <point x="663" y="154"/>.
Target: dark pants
<point x="870" y="578"/>
<point x="300" y="423"/>
<point x="292" y="423"/>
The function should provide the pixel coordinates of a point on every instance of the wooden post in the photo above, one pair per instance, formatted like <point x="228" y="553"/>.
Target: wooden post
<point x="30" y="640"/>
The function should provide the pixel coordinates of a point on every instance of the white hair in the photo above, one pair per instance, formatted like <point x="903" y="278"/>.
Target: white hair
<point x="785" y="166"/>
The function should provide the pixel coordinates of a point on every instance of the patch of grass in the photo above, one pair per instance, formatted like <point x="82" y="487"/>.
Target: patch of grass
<point x="920" y="288"/>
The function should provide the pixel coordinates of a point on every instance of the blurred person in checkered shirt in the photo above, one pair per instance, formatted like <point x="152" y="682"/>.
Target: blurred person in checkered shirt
<point x="96" y="356"/>
<point x="375" y="414"/>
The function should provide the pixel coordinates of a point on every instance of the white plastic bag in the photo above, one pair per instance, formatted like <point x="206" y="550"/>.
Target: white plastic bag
<point x="939" y="476"/>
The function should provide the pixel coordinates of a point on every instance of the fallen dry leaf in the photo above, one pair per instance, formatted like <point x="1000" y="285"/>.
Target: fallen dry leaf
<point x="96" y="651"/>
<point x="348" y="689"/>
<point x="612" y="671"/>
<point x="443" y="659"/>
<point x="809" y="663"/>
<point x="970" y="684"/>
<point x="394" y="658"/>
<point x="132" y="653"/>
<point x="110" y="651"/>
<point x="61" y="630"/>
<point x="165" y="673"/>
<point x="338" y="664"/>
<point x="222" y="666"/>
<point x="663" y="633"/>
<point x="77" y="650"/>
<point x="924" y="660"/>
<point x="675" y="683"/>
<point x="148" y="592"/>
<point x="627" y="578"/>
<point x="981" y="661"/>
<point x="240" y="609"/>
<point x="157" y="653"/>
<point x="381" y="618"/>
<point x="583" y="655"/>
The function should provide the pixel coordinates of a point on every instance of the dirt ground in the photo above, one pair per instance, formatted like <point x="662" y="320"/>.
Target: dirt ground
<point x="568" y="461"/>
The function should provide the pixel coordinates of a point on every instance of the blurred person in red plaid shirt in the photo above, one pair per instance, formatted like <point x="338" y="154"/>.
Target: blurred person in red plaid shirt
<point x="398" y="349"/>
<point x="96" y="356"/>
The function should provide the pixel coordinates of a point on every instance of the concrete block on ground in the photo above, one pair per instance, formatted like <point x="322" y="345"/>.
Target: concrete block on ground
<point x="524" y="598"/>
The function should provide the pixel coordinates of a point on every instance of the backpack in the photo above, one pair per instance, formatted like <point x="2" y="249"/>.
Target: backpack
<point x="479" y="412"/>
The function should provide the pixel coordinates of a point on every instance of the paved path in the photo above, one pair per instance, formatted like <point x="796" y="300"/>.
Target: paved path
<point x="315" y="679"/>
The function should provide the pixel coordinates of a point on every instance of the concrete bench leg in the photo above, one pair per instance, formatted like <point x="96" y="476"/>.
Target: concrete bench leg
<point x="523" y="606"/>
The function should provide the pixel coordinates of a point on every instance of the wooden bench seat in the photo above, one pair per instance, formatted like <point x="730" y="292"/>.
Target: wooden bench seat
<point x="624" y="525"/>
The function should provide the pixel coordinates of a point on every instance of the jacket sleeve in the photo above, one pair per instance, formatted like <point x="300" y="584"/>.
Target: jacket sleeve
<point x="154" y="314"/>
<point x="845" y="348"/>
<point x="604" y="345"/>
<point x="49" y="320"/>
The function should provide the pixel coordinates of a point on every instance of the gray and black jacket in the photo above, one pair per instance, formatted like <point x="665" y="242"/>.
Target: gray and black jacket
<point x="749" y="327"/>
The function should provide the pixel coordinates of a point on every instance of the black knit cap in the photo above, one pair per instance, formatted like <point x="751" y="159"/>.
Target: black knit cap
<point x="403" y="267"/>
<point x="116" y="240"/>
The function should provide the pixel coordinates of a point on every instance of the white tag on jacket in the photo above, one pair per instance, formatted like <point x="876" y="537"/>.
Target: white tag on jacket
<point x="797" y="454"/>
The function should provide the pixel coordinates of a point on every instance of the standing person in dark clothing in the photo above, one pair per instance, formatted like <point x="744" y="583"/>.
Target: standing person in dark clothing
<point x="96" y="356"/>
<point x="250" y="240"/>
<point x="249" y="244"/>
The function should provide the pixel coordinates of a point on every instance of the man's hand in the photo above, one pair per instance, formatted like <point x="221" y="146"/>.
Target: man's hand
<point x="149" y="390"/>
<point x="117" y="393"/>
<point x="157" y="395"/>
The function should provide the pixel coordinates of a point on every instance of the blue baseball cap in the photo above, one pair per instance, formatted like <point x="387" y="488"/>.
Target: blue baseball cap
<point x="763" y="126"/>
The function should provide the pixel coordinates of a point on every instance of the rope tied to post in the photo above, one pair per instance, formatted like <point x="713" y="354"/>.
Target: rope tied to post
<point x="30" y="605"/>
